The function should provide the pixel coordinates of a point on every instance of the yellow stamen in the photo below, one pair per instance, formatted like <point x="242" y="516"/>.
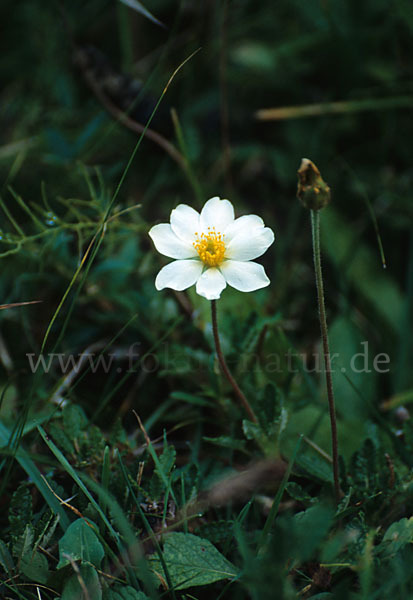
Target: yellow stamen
<point x="210" y="247"/>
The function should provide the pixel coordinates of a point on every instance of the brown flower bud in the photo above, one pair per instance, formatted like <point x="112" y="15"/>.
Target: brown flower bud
<point x="312" y="190"/>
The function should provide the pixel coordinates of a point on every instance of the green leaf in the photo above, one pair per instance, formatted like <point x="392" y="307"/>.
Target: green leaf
<point x="20" y="511"/>
<point x="61" y="438"/>
<point x="312" y="525"/>
<point x="121" y="592"/>
<point x="226" y="441"/>
<point x="80" y="542"/>
<point x="193" y="561"/>
<point x="316" y="466"/>
<point x="74" y="421"/>
<point x="398" y="535"/>
<point x="163" y="468"/>
<point x="35" y="567"/>
<point x="24" y="544"/>
<point x="33" y="472"/>
<point x="6" y="560"/>
<point x="268" y="406"/>
<point x="296" y="492"/>
<point x="252" y="431"/>
<point x="73" y="590"/>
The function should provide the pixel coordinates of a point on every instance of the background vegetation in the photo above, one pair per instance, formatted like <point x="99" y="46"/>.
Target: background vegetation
<point x="86" y="492"/>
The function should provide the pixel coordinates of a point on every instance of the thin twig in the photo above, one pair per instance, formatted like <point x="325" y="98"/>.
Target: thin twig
<point x="224" y="365"/>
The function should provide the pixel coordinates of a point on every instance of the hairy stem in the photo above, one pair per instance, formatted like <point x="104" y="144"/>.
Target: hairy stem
<point x="315" y="227"/>
<point x="224" y="366"/>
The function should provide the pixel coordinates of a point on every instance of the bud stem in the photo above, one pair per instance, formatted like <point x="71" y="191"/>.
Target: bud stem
<point x="315" y="228"/>
<point x="224" y="366"/>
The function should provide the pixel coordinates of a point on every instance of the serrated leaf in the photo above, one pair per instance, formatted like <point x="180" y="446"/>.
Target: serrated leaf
<point x="193" y="561"/>
<point x="80" y="542"/>
<point x="268" y="405"/>
<point x="163" y="468"/>
<point x="74" y="421"/>
<point x="73" y="590"/>
<point x="20" y="511"/>
<point x="61" y="438"/>
<point x="298" y="493"/>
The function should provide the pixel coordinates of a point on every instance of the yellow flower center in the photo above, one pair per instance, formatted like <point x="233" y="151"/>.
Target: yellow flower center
<point x="210" y="247"/>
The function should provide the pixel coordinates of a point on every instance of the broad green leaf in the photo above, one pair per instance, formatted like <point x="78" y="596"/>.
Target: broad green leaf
<point x="35" y="566"/>
<point x="192" y="561"/>
<point x="316" y="466"/>
<point x="397" y="535"/>
<point x="73" y="590"/>
<point x="312" y="525"/>
<point x="80" y="542"/>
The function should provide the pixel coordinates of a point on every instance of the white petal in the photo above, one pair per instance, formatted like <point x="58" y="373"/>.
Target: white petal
<point x="179" y="275"/>
<point x="244" y="276"/>
<point x="248" y="222"/>
<point x="168" y="244"/>
<point x="216" y="213"/>
<point x="210" y="284"/>
<point x="185" y="222"/>
<point x="249" y="244"/>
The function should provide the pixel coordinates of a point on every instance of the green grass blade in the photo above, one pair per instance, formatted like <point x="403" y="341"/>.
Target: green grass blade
<point x="33" y="472"/>
<point x="70" y="470"/>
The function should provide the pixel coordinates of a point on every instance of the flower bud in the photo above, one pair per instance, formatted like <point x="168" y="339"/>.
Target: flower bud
<point x="312" y="190"/>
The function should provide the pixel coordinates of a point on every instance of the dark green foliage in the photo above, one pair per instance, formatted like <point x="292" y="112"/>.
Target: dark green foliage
<point x="20" y="512"/>
<point x="141" y="502"/>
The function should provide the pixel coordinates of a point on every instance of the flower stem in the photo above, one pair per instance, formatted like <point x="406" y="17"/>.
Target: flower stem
<point x="224" y="365"/>
<point x="315" y="228"/>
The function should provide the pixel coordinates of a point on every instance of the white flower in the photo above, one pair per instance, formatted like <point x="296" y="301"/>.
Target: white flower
<point x="212" y="249"/>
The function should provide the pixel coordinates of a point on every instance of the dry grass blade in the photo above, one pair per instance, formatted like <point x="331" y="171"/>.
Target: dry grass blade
<point x="15" y="304"/>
